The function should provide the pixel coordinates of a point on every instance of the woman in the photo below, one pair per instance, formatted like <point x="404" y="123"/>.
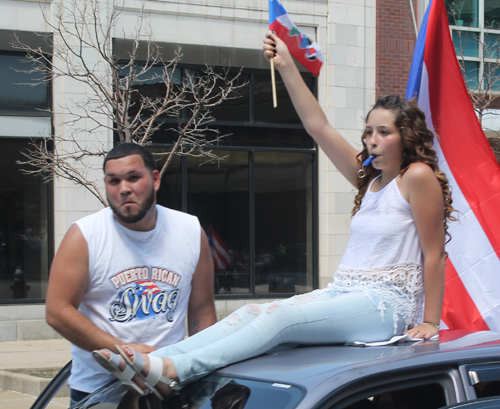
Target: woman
<point x="397" y="245"/>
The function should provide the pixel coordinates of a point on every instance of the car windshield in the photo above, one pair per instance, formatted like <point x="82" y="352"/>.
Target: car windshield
<point x="210" y="392"/>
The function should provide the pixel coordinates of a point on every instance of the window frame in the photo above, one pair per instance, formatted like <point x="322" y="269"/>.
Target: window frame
<point x="481" y="32"/>
<point x="251" y="150"/>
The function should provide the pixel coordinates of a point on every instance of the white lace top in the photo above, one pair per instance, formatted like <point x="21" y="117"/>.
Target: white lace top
<point x="384" y="254"/>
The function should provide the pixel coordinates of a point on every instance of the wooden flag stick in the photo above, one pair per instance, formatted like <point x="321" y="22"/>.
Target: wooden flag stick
<point x="273" y="84"/>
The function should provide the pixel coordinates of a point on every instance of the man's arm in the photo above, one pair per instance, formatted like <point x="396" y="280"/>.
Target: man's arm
<point x="68" y="281"/>
<point x="201" y="308"/>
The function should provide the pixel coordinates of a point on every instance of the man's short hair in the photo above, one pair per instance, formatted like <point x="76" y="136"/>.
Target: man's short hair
<point x="126" y="149"/>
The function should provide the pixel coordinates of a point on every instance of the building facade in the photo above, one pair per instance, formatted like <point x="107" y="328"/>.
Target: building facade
<point x="277" y="204"/>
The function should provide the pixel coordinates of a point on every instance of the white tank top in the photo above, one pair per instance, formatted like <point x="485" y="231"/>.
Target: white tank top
<point x="139" y="284"/>
<point x="384" y="254"/>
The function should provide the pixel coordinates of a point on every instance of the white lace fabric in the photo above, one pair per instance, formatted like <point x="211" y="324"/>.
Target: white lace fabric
<point x="400" y="286"/>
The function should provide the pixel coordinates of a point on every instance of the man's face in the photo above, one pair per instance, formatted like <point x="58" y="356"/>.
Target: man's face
<point x="130" y="188"/>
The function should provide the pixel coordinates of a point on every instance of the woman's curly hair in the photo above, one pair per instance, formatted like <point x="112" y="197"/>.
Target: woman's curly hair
<point x="417" y="141"/>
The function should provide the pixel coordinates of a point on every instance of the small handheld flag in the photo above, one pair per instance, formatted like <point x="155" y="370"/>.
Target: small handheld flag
<point x="306" y="52"/>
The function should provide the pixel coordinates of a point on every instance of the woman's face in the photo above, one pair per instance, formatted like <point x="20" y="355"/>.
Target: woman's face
<point x="384" y="140"/>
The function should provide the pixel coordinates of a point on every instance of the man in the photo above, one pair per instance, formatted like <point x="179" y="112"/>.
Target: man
<point x="127" y="275"/>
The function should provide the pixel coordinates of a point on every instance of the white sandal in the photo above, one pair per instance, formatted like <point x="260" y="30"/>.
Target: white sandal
<point x="111" y="365"/>
<point x="155" y="374"/>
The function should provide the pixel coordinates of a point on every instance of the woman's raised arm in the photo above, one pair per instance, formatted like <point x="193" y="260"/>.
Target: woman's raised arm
<point x="340" y="152"/>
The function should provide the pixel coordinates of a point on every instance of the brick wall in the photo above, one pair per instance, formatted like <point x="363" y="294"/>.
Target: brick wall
<point x="395" y="43"/>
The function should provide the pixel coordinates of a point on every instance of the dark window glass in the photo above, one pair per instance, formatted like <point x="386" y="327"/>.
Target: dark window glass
<point x="429" y="396"/>
<point x="260" y="201"/>
<point x="283" y="222"/>
<point x="16" y="95"/>
<point x="148" y="85"/>
<point x="24" y="256"/>
<point x="170" y="193"/>
<point x="265" y="137"/>
<point x="218" y="193"/>
<point x="487" y="389"/>
<point x="245" y="136"/>
<point x="284" y="112"/>
<point x="237" y="107"/>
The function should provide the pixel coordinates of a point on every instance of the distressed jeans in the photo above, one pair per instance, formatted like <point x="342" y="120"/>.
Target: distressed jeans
<point x="318" y="317"/>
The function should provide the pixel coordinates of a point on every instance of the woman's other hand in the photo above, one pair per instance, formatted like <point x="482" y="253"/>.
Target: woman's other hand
<point x="424" y="331"/>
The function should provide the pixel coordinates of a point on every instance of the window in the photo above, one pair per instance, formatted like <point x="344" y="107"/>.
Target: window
<point x="17" y="97"/>
<point x="483" y="378"/>
<point x="431" y="396"/>
<point x="259" y="201"/>
<point x="475" y="26"/>
<point x="24" y="199"/>
<point x="412" y="390"/>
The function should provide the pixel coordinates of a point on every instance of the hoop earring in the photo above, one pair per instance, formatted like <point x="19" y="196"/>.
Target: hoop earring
<point x="361" y="172"/>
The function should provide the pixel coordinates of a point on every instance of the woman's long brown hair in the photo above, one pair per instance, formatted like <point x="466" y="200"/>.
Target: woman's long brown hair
<point x="417" y="147"/>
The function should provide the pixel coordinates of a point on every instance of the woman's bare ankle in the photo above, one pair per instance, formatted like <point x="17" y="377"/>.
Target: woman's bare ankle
<point x="169" y="370"/>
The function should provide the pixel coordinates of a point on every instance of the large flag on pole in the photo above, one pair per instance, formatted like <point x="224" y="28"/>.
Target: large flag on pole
<point x="472" y="299"/>
<point x="306" y="52"/>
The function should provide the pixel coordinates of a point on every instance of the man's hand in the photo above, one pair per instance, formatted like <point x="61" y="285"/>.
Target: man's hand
<point x="141" y="348"/>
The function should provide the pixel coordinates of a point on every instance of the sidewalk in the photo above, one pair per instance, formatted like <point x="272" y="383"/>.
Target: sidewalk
<point x="18" y="391"/>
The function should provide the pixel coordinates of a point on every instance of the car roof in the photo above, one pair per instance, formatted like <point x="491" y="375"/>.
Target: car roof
<point x="322" y="369"/>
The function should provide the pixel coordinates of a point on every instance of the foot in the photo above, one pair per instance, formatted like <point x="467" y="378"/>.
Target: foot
<point x="167" y="370"/>
<point x="122" y="366"/>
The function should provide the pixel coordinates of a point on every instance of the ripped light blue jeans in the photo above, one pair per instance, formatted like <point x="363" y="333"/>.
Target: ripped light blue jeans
<point x="318" y="317"/>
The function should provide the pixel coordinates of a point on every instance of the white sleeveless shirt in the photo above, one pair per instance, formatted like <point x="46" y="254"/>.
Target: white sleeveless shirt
<point x="384" y="254"/>
<point x="139" y="284"/>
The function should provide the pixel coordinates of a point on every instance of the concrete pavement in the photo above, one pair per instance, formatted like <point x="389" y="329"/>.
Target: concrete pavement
<point x="19" y="391"/>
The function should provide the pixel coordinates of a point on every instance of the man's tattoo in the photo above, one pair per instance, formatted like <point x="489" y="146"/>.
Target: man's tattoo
<point x="195" y="327"/>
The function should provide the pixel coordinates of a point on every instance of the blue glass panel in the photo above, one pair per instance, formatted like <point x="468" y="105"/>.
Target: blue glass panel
<point x="491" y="76"/>
<point x="16" y="95"/>
<point x="470" y="73"/>
<point x="492" y="46"/>
<point x="466" y="43"/>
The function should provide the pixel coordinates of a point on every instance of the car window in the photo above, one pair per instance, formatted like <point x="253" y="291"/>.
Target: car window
<point x="483" y="379"/>
<point x="429" y="396"/>
<point x="427" y="388"/>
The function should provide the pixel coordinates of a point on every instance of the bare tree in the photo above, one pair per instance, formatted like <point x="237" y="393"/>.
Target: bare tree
<point x="82" y="52"/>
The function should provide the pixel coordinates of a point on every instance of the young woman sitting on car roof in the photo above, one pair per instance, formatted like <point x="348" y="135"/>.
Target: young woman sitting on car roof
<point x="395" y="254"/>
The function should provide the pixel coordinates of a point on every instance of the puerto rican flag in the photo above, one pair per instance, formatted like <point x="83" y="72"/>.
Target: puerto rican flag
<point x="306" y="52"/>
<point x="146" y="286"/>
<point x="219" y="251"/>
<point x="472" y="299"/>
